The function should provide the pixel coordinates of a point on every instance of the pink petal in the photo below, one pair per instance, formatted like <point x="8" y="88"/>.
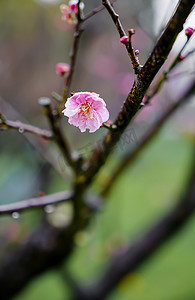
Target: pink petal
<point x="70" y="112"/>
<point x="103" y="114"/>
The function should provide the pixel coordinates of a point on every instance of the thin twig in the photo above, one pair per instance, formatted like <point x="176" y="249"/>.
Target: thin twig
<point x="121" y="31"/>
<point x="22" y="127"/>
<point x="36" y="202"/>
<point x="165" y="74"/>
<point x="114" y="16"/>
<point x="146" y="138"/>
<point x="134" y="59"/>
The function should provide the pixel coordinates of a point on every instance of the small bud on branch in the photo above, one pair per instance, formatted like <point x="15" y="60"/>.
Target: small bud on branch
<point x="189" y="31"/>
<point x="62" y="68"/>
<point x="124" y="39"/>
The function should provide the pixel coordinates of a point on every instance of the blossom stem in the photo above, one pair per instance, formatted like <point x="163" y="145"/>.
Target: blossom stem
<point x="109" y="126"/>
<point x="57" y="97"/>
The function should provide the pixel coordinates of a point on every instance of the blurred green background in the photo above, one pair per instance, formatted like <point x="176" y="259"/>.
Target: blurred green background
<point x="33" y="39"/>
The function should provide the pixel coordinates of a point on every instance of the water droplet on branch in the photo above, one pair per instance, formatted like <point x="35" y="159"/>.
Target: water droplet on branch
<point x="49" y="209"/>
<point x="15" y="215"/>
<point x="21" y="130"/>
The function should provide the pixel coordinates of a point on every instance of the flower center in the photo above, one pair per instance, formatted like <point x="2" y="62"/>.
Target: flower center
<point x="86" y="110"/>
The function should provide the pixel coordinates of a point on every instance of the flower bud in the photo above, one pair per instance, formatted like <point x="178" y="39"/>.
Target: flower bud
<point x="131" y="31"/>
<point x="181" y="57"/>
<point x="189" y="31"/>
<point x="73" y="5"/>
<point x="62" y="68"/>
<point x="124" y="39"/>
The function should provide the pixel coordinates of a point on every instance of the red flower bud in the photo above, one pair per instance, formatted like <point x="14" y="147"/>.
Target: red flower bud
<point x="131" y="31"/>
<point x="40" y="194"/>
<point x="62" y="68"/>
<point x="189" y="31"/>
<point x="73" y="7"/>
<point x="124" y="39"/>
<point x="181" y="57"/>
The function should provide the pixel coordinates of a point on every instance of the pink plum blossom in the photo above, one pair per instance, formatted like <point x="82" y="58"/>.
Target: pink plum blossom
<point x="62" y="68"/>
<point x="86" y="110"/>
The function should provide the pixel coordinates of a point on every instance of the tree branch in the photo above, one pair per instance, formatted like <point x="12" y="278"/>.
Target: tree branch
<point x="121" y="31"/>
<point x="146" y="138"/>
<point x="36" y="202"/>
<point x="22" y="127"/>
<point x="95" y="11"/>
<point x="178" y="59"/>
<point x="45" y="248"/>
<point x="143" y="248"/>
<point x="114" y="16"/>
<point x="140" y="87"/>
<point x="37" y="145"/>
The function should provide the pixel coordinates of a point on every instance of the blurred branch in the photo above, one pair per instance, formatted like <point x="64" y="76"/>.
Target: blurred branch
<point x="57" y="134"/>
<point x="36" y="202"/>
<point x="146" y="138"/>
<point x="140" y="87"/>
<point x="165" y="74"/>
<point x="37" y="144"/>
<point x="44" y="249"/>
<point x="114" y="16"/>
<point x="22" y="127"/>
<point x="139" y="251"/>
